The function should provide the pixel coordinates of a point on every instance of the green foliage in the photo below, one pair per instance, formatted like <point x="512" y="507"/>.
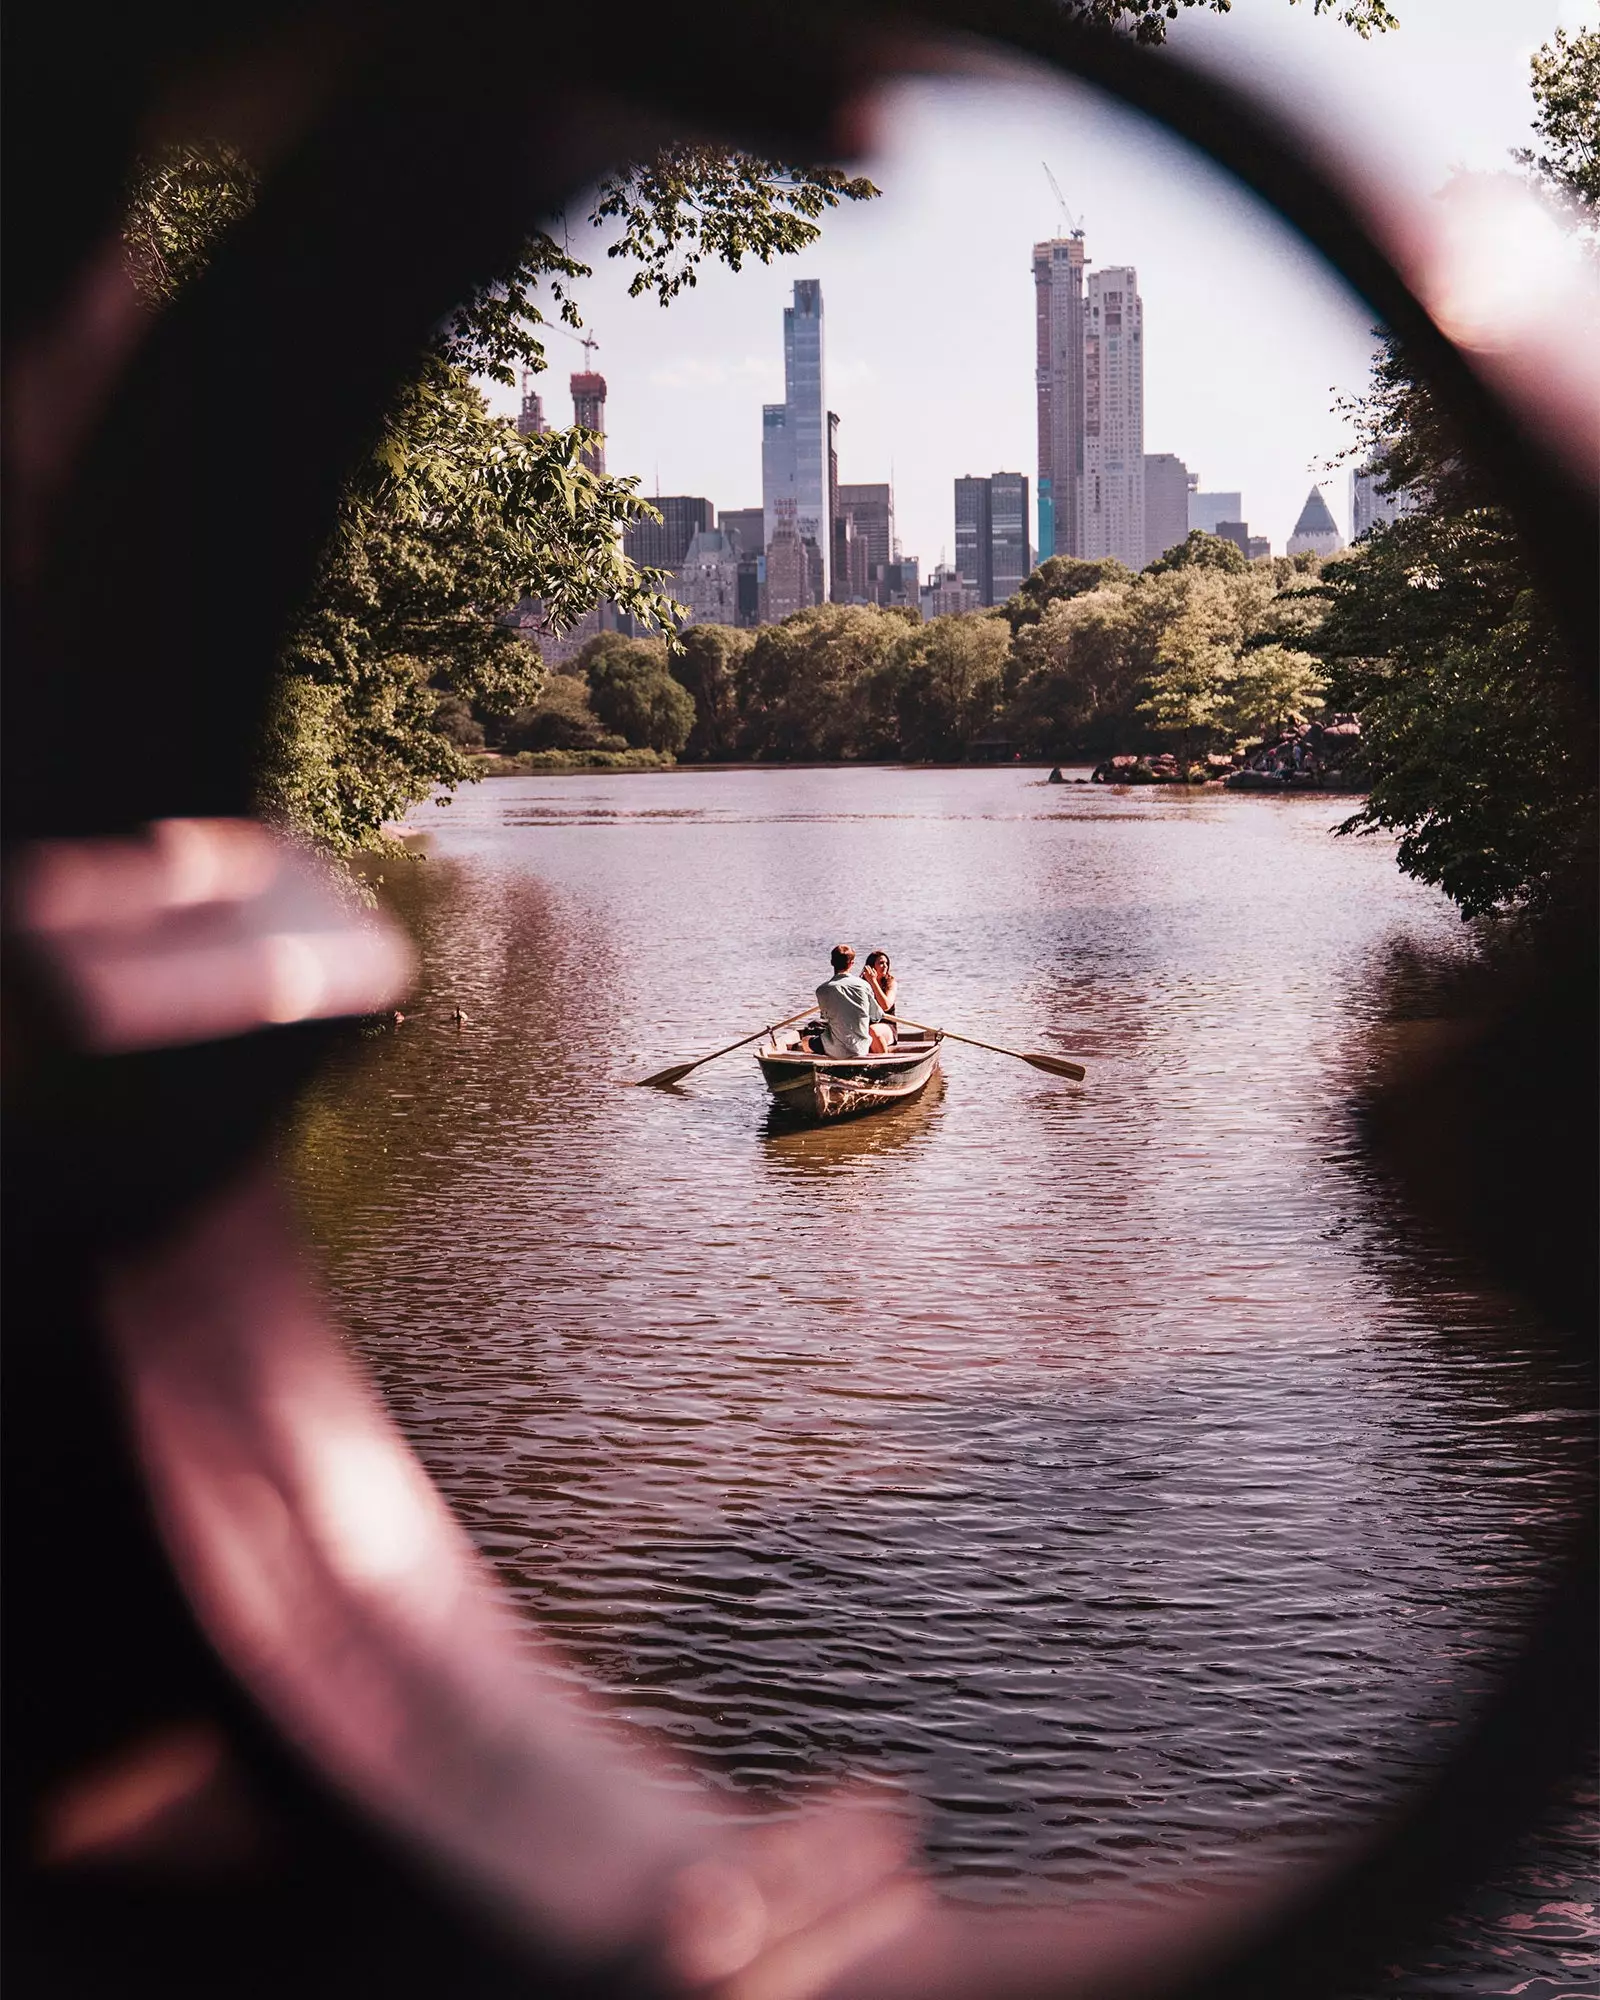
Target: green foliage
<point x="453" y="519"/>
<point x="1057" y="580"/>
<point x="633" y="694"/>
<point x="1194" y="655"/>
<point x="1198" y="550"/>
<point x="181" y="201"/>
<point x="1078" y="672"/>
<point x="561" y="719"/>
<point x="1479" y="737"/>
<point x="822" y="685"/>
<point x="1198" y="635"/>
<point x="950" y="686"/>
<point x="1566" y="95"/>
<point x="709" y="661"/>
<point x="1147" y="20"/>
<point x="535" y="763"/>
<point x="1268" y="686"/>
<point x="1191" y="652"/>
<point x="454" y="720"/>
<point x="694" y="201"/>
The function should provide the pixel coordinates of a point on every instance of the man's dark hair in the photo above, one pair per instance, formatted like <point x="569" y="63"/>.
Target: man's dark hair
<point x="843" y="956"/>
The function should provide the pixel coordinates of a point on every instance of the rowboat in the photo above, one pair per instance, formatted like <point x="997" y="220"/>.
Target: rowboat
<point x="819" y="1087"/>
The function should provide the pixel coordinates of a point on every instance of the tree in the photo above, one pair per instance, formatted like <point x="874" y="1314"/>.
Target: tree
<point x="634" y="695"/>
<point x="1147" y="19"/>
<point x="1186" y="650"/>
<point x="1478" y="738"/>
<point x="1267" y="686"/>
<point x="1566" y="96"/>
<point x="561" y="719"/>
<point x="453" y="519"/>
<point x="951" y="685"/>
<point x="1198" y="550"/>
<point x="1077" y="672"/>
<point x="182" y="200"/>
<point x="1479" y="744"/>
<point x="817" y="686"/>
<point x="1206" y="614"/>
<point x="709" y="660"/>
<point x="1057" y="580"/>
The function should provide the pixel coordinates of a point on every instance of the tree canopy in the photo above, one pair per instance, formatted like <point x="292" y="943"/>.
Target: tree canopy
<point x="1147" y="20"/>
<point x="1478" y="737"/>
<point x="1566" y="121"/>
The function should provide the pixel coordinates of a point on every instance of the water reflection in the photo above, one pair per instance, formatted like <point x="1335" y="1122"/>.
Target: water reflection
<point x="1089" y="1459"/>
<point x="797" y="1150"/>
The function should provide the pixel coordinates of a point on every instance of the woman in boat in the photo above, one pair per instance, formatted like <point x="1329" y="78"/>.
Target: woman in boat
<point x="855" y="1024"/>
<point x="878" y="974"/>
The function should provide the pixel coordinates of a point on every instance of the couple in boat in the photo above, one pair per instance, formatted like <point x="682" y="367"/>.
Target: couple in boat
<point x="857" y="1009"/>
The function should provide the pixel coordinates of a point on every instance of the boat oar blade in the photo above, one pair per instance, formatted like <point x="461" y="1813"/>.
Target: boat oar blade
<point x="664" y="1077"/>
<point x="1058" y="1066"/>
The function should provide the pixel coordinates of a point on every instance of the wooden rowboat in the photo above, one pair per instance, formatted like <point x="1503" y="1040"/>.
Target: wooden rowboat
<point x="822" y="1088"/>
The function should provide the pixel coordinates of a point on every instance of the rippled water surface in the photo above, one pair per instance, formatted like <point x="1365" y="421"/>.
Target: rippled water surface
<point x="1101" y="1462"/>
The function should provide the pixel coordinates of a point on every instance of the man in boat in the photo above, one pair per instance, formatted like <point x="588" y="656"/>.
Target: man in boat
<point x="856" y="1024"/>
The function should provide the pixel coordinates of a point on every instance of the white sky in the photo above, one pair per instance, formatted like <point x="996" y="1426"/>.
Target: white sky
<point x="928" y="292"/>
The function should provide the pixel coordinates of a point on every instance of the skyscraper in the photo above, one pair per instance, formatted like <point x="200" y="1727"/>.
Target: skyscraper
<point x="661" y="543"/>
<point x="1371" y="504"/>
<point x="746" y="527"/>
<point x="839" y="536"/>
<point x="1010" y="549"/>
<point x="748" y="524"/>
<point x="1207" y="509"/>
<point x="1113" y="418"/>
<point x="1166" y="503"/>
<point x="589" y="410"/>
<point x="1316" y="532"/>
<point x="777" y="467"/>
<point x="973" y="554"/>
<point x="1058" y="316"/>
<point x="992" y="534"/>
<point x="530" y="418"/>
<point x="707" y="583"/>
<point x="790" y="578"/>
<point x="794" y="440"/>
<point x="871" y="508"/>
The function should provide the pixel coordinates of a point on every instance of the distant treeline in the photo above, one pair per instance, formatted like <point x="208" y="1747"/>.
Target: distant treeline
<point x="1201" y="650"/>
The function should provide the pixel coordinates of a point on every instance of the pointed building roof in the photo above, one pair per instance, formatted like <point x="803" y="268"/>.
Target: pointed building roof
<point x="1314" y="516"/>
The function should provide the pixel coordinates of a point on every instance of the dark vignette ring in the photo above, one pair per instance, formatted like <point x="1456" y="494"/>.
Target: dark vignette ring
<point x="105" y="1153"/>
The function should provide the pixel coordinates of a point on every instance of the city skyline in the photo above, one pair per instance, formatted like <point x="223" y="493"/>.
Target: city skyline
<point x="931" y="351"/>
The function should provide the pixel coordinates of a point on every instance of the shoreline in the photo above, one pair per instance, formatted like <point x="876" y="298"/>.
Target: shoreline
<point x="649" y="765"/>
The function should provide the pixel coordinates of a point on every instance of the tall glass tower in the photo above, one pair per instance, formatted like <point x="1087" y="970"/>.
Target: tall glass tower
<point x="794" y="445"/>
<point x="1058" y="324"/>
<point x="1112" y="508"/>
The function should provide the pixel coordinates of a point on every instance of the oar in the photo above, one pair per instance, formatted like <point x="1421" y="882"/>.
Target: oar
<point x="1055" y="1065"/>
<point x="679" y="1071"/>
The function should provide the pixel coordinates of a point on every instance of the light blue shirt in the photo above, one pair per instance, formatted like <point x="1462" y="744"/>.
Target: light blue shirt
<point x="849" y="1006"/>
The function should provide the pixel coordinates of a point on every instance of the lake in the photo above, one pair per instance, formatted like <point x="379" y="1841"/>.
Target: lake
<point x="1113" y="1466"/>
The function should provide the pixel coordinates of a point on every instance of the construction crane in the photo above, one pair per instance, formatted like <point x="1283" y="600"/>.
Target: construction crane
<point x="1075" y="228"/>
<point x="586" y="341"/>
